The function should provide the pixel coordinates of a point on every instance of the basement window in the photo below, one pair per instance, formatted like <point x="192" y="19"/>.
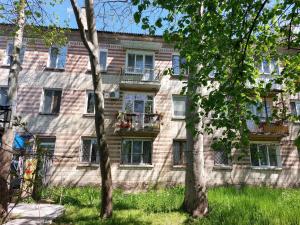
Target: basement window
<point x="89" y="151"/>
<point x="221" y="158"/>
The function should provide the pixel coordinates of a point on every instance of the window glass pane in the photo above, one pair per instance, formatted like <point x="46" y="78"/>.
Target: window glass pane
<point x="273" y="155"/>
<point x="85" y="151"/>
<point x="221" y="158"/>
<point x="4" y="96"/>
<point x="298" y="108"/>
<point x="9" y="52"/>
<point x="274" y="67"/>
<point x="149" y="107"/>
<point x="54" y="52"/>
<point x="139" y="106"/>
<point x="147" y="149"/>
<point x="179" y="106"/>
<point x="149" y="62"/>
<point x="47" y="144"/>
<point x="94" y="152"/>
<point x="139" y="63"/>
<point x="103" y="60"/>
<point x="22" y="53"/>
<point x="56" y="101"/>
<point x="47" y="101"/>
<point x="293" y="108"/>
<point x="131" y="61"/>
<point x="126" y="151"/>
<point x="176" y="64"/>
<point x="263" y="155"/>
<point x="137" y="151"/>
<point x="176" y="153"/>
<point x="254" y="155"/>
<point x="90" y="103"/>
<point x="62" y="57"/>
<point x="266" y="67"/>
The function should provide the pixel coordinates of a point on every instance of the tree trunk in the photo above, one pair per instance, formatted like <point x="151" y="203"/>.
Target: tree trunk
<point x="90" y="40"/>
<point x="195" y="199"/>
<point x="14" y="71"/>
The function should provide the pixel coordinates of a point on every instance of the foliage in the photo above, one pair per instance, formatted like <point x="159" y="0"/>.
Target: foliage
<point x="223" y="42"/>
<point x="249" y="205"/>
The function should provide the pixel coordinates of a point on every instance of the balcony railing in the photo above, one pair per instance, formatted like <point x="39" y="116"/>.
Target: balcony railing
<point x="272" y="128"/>
<point x="137" y="77"/>
<point x="138" y="122"/>
<point x="266" y="79"/>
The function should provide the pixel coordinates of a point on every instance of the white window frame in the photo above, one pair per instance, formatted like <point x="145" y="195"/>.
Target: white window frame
<point x="180" y="141"/>
<point x="131" y="155"/>
<point x="87" y="92"/>
<point x="82" y="138"/>
<point x="138" y="93"/>
<point x="56" y="63"/>
<point x="173" y="106"/>
<point x="175" y="54"/>
<point x="144" y="53"/>
<point x="43" y="100"/>
<point x="101" y="69"/>
<point x="278" y="155"/>
<point x="262" y="71"/>
<point x="7" y="56"/>
<point x="297" y="102"/>
<point x="48" y="137"/>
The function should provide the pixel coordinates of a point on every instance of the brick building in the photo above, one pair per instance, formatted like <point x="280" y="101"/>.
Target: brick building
<point x="144" y="116"/>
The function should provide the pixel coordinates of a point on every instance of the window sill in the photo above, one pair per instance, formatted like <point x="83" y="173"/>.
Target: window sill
<point x="93" y="165"/>
<point x="6" y="66"/>
<point x="55" y="69"/>
<point x="49" y="114"/>
<point x="178" y="167"/>
<point x="179" y="77"/>
<point x="222" y="167"/>
<point x="88" y="115"/>
<point x="138" y="166"/>
<point x="266" y="168"/>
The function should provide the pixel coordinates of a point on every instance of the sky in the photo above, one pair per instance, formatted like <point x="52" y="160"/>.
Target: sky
<point x="114" y="17"/>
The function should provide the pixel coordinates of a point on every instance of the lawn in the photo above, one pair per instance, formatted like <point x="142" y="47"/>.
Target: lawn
<point x="250" y="205"/>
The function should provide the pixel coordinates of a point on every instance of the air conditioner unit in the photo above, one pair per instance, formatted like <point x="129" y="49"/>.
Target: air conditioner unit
<point x="112" y="94"/>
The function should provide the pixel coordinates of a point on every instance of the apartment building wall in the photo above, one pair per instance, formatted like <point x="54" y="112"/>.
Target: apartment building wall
<point x="72" y="123"/>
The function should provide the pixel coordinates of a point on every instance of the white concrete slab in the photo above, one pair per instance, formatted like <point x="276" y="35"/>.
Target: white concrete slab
<point x="33" y="214"/>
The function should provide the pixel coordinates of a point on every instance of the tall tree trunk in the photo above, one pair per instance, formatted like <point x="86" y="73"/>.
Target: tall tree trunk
<point x="195" y="198"/>
<point x="14" y="71"/>
<point x="90" y="40"/>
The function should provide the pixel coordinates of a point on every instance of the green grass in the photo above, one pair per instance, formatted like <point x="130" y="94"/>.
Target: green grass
<point x="250" y="205"/>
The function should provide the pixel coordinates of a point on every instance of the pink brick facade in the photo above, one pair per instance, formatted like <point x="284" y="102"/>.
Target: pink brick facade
<point x="72" y="124"/>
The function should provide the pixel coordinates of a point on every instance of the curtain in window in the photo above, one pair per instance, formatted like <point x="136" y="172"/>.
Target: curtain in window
<point x="47" y="101"/>
<point x="136" y="152"/>
<point x="179" y="106"/>
<point x="62" y="57"/>
<point x="94" y="152"/>
<point x="54" y="52"/>
<point x="56" y="101"/>
<point x="131" y="62"/>
<point x="176" y="153"/>
<point x="126" y="151"/>
<point x="139" y="67"/>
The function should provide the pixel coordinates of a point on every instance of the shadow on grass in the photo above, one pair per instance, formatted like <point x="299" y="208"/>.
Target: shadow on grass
<point x="94" y="220"/>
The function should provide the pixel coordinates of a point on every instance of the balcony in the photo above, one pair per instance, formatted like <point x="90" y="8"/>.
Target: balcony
<point x="266" y="79"/>
<point x="138" y="124"/>
<point x="272" y="129"/>
<point x="140" y="79"/>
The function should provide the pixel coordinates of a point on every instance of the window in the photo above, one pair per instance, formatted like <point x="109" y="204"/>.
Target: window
<point x="138" y="103"/>
<point x="269" y="67"/>
<point x="103" y="60"/>
<point x="47" y="144"/>
<point x="51" y="102"/>
<point x="295" y="108"/>
<point x="221" y="157"/>
<point x="57" y="57"/>
<point x="90" y="102"/>
<point x="179" y="106"/>
<point x="140" y="63"/>
<point x="136" y="151"/>
<point x="9" y="53"/>
<point x="4" y="96"/>
<point x="265" y="155"/>
<point x="262" y="110"/>
<point x="89" y="151"/>
<point x="177" y="61"/>
<point x="179" y="147"/>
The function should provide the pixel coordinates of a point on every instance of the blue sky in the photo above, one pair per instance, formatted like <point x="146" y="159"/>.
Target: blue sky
<point x="110" y="22"/>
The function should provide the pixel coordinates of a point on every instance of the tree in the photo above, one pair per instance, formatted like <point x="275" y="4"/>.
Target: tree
<point x="228" y="41"/>
<point x="20" y="14"/>
<point x="89" y="38"/>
